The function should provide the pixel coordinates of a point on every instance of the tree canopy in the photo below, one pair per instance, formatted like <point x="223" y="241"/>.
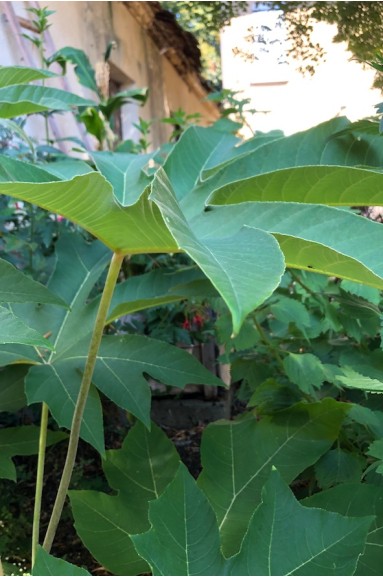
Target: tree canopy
<point x="359" y="24"/>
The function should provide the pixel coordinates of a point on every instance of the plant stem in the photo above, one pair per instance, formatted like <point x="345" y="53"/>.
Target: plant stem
<point x="39" y="480"/>
<point x="106" y="297"/>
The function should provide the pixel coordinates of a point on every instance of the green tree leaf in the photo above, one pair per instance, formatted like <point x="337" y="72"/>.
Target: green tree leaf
<point x="287" y="539"/>
<point x="237" y="457"/>
<point x="47" y="565"/>
<point x="13" y="170"/>
<point x="338" y="466"/>
<point x="23" y="99"/>
<point x="15" y="287"/>
<point x="158" y="287"/>
<point x="126" y="174"/>
<point x="124" y="360"/>
<point x="244" y="268"/>
<point x="311" y="237"/>
<point x="139" y="472"/>
<point x="11" y="75"/>
<point x="305" y="370"/>
<point x="12" y="395"/>
<point x="183" y="539"/>
<point x="322" y="185"/>
<point x="57" y="381"/>
<point x="58" y="385"/>
<point x="357" y="500"/>
<point x="14" y="330"/>
<point x="21" y="441"/>
<point x="136" y="229"/>
<point x="191" y="155"/>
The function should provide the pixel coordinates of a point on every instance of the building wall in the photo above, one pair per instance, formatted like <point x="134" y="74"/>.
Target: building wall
<point x="284" y="98"/>
<point x="136" y="61"/>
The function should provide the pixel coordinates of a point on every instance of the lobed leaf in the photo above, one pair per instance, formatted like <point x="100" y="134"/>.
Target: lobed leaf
<point x="286" y="539"/>
<point x="359" y="500"/>
<point x="21" y="441"/>
<point x="245" y="268"/>
<point x="125" y="172"/>
<point x="311" y="237"/>
<point x="124" y="361"/>
<point x="14" y="330"/>
<point x="47" y="565"/>
<point x="183" y="539"/>
<point x="137" y="229"/>
<point x="237" y="457"/>
<point x="139" y="471"/>
<point x="15" y="287"/>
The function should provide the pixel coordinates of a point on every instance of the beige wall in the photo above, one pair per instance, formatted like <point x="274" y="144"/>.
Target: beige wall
<point x="136" y="61"/>
<point x="286" y="99"/>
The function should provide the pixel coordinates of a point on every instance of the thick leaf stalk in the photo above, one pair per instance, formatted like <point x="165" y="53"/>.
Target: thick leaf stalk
<point x="106" y="297"/>
<point x="39" y="480"/>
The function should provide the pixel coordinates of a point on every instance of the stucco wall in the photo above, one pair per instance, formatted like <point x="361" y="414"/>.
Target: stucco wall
<point x="136" y="61"/>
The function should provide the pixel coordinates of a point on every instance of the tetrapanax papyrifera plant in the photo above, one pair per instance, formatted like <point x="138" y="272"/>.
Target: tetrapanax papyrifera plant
<point x="241" y="212"/>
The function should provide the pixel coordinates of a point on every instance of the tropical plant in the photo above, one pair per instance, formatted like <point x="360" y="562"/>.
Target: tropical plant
<point x="241" y="212"/>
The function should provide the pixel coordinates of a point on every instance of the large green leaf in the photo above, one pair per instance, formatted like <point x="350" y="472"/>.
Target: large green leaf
<point x="311" y="236"/>
<point x="158" y="287"/>
<point x="306" y="370"/>
<point x="12" y="395"/>
<point x="13" y="170"/>
<point x="323" y="185"/>
<point x="16" y="353"/>
<point x="321" y="145"/>
<point x="283" y="538"/>
<point x="21" y="441"/>
<point x="47" y="565"/>
<point x="192" y="154"/>
<point x="225" y="154"/>
<point x="125" y="173"/>
<point x="139" y="472"/>
<point x="123" y="361"/>
<point x="287" y="539"/>
<point x="184" y="538"/>
<point x="78" y="267"/>
<point x="14" y="330"/>
<point x="56" y="381"/>
<point x="245" y="267"/>
<point x="237" y="457"/>
<point x="58" y="386"/>
<point x="11" y="75"/>
<point x="357" y="500"/>
<point x="338" y="466"/>
<point x="27" y="99"/>
<point x="15" y="287"/>
<point x="88" y="201"/>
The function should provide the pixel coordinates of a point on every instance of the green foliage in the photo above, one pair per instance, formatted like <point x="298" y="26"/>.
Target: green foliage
<point x="222" y="219"/>
<point x="21" y="441"/>
<point x="152" y="462"/>
<point x="205" y="20"/>
<point x="359" y="24"/>
<point x="47" y="565"/>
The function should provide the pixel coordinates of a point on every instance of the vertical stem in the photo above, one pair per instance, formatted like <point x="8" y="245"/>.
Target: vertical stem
<point x="39" y="480"/>
<point x="106" y="297"/>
